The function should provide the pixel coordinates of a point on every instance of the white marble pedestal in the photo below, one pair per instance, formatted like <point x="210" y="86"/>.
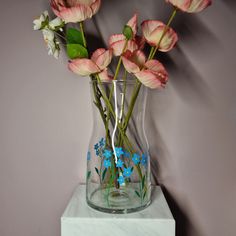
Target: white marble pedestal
<point x="81" y="220"/>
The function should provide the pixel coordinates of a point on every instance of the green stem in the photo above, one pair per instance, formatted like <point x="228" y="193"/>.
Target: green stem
<point x="120" y="60"/>
<point x="164" y="32"/>
<point x="151" y="55"/>
<point x="132" y="104"/>
<point x="82" y="32"/>
<point x="124" y="93"/>
<point x="109" y="106"/>
<point x="124" y="137"/>
<point x="115" y="77"/>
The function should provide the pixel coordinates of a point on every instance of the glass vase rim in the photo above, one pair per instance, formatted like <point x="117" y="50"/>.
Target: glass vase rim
<point x="120" y="81"/>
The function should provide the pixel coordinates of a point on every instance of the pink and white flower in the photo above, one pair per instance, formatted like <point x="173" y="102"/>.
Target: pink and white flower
<point x="98" y="63"/>
<point x="190" y="6"/>
<point x="151" y="73"/>
<point x="75" y="10"/>
<point x="117" y="41"/>
<point x="153" y="31"/>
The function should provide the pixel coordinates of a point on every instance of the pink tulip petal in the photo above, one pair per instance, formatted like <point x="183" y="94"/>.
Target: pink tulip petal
<point x="75" y="10"/>
<point x="75" y="14"/>
<point x="130" y="66"/>
<point x="133" y="24"/>
<point x="153" y="30"/>
<point x="167" y="42"/>
<point x="149" y="79"/>
<point x="97" y="53"/>
<point x="57" y="5"/>
<point x="140" y="41"/>
<point x="118" y="47"/>
<point x="190" y="6"/>
<point x="148" y="26"/>
<point x="83" y="67"/>
<point x="181" y="4"/>
<point x="197" y="6"/>
<point x="95" y="6"/>
<point x="102" y="57"/>
<point x="138" y="57"/>
<point x="104" y="77"/>
<point x="115" y="38"/>
<point x="75" y="2"/>
<point x="158" y="69"/>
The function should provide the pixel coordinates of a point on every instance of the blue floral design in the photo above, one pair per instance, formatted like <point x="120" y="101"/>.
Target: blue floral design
<point x="99" y="147"/>
<point x="136" y="159"/>
<point x="121" y="180"/>
<point x="97" y="152"/>
<point x="88" y="156"/>
<point x="144" y="159"/>
<point x="119" y="163"/>
<point x="107" y="153"/>
<point x="126" y="154"/>
<point x="96" y="146"/>
<point x="127" y="172"/>
<point x="119" y="151"/>
<point x="107" y="163"/>
<point x="102" y="142"/>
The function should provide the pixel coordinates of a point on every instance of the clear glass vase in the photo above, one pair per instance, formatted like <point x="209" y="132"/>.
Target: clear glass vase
<point x="118" y="163"/>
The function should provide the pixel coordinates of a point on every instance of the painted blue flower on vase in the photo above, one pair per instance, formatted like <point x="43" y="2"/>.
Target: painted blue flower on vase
<point x="119" y="163"/>
<point x="121" y="180"/>
<point x="126" y="154"/>
<point x="127" y="172"/>
<point x="119" y="151"/>
<point x="136" y="158"/>
<point x="107" y="154"/>
<point x="88" y="156"/>
<point x="99" y="147"/>
<point x="102" y="142"/>
<point x="144" y="159"/>
<point x="107" y="163"/>
<point x="96" y="146"/>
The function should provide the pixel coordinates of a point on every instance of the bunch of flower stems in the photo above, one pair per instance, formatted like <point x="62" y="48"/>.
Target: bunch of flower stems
<point x="101" y="97"/>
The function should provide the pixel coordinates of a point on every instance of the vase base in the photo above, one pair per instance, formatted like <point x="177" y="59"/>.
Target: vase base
<point x="116" y="201"/>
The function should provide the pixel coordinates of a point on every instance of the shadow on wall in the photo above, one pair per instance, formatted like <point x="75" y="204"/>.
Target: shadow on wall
<point x="183" y="225"/>
<point x="231" y="4"/>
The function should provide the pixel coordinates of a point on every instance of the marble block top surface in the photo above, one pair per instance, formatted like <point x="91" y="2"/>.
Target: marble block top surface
<point x="78" y="209"/>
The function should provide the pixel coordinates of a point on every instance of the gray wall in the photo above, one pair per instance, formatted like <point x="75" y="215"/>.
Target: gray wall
<point x="45" y="120"/>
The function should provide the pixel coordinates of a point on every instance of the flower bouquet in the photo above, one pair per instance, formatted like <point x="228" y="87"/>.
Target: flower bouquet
<point x="118" y="163"/>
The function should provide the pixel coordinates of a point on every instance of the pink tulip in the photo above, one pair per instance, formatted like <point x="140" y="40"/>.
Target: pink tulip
<point x="98" y="63"/>
<point x="117" y="41"/>
<point x="133" y="24"/>
<point x="75" y="10"/>
<point x="151" y="73"/>
<point x="190" y="6"/>
<point x="153" y="31"/>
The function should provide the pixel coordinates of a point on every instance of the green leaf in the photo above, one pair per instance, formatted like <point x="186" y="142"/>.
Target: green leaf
<point x="128" y="32"/>
<point x="74" y="36"/>
<point x="104" y="174"/>
<point x="97" y="171"/>
<point x="144" y="195"/>
<point x="76" y="51"/>
<point x="137" y="193"/>
<point x="88" y="174"/>
<point x="143" y="181"/>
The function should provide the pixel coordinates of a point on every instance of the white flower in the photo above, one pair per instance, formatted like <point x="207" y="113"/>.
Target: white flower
<point x="51" y="42"/>
<point x="42" y="21"/>
<point x="56" y="24"/>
